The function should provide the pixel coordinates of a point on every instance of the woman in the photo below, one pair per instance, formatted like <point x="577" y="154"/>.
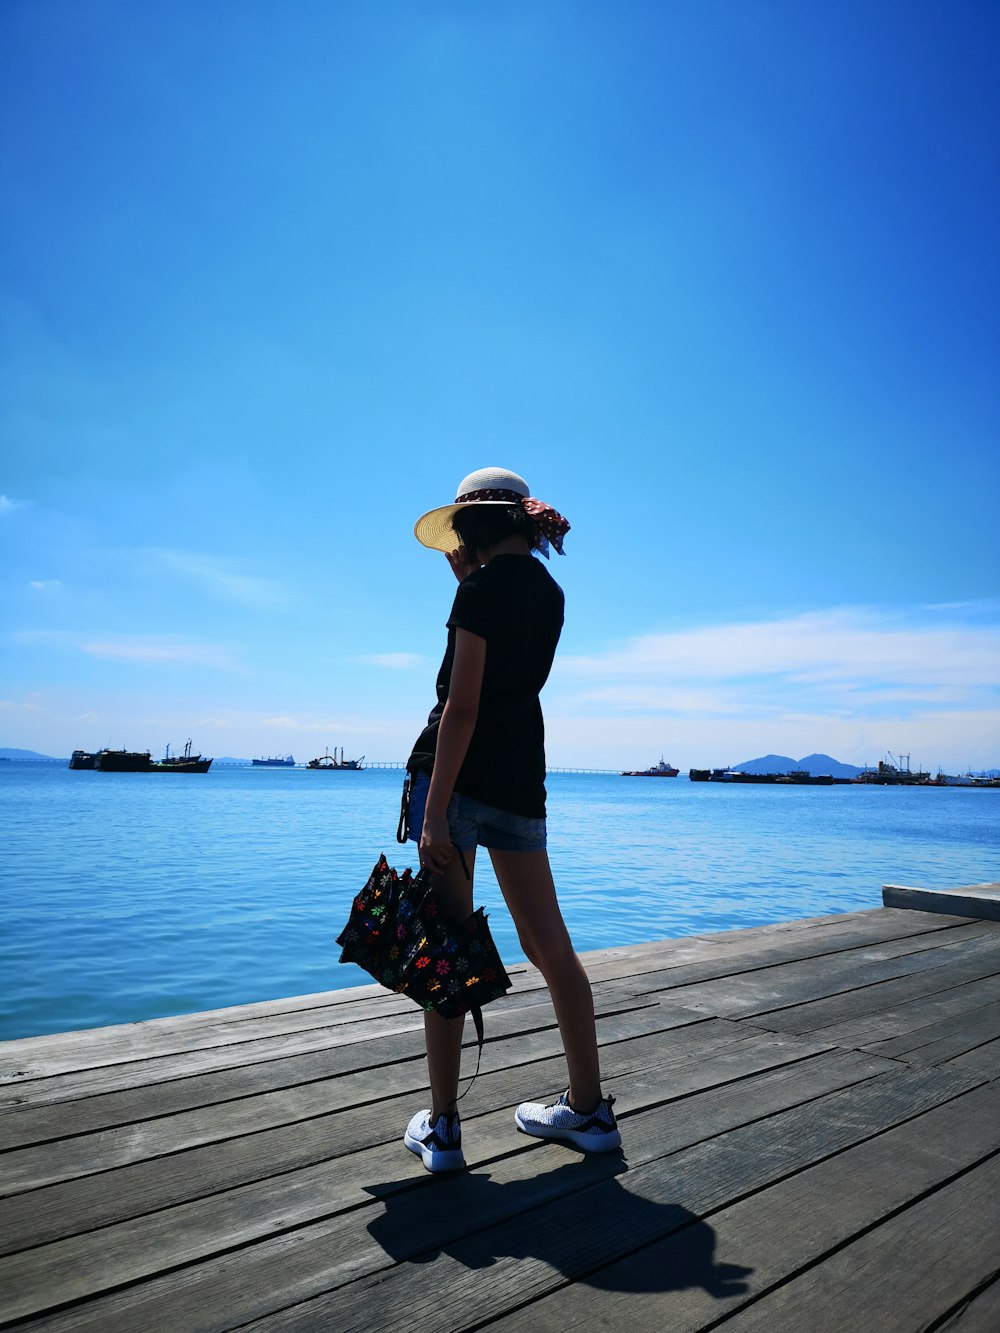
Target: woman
<point x="479" y="780"/>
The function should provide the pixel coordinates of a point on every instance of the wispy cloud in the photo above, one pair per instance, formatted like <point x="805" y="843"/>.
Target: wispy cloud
<point x="222" y="579"/>
<point x="140" y="649"/>
<point x="842" y="661"/>
<point x="151" y="650"/>
<point x="29" y="704"/>
<point x="314" y="725"/>
<point x="394" y="661"/>
<point x="46" y="585"/>
<point x="7" y="505"/>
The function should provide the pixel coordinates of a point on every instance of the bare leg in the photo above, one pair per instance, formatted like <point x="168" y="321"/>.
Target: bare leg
<point x="525" y="879"/>
<point x="443" y="1036"/>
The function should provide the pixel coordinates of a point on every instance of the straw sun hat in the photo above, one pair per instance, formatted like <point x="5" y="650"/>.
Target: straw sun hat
<point x="488" y="486"/>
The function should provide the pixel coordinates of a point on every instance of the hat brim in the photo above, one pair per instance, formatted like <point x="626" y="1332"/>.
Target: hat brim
<point x="434" y="529"/>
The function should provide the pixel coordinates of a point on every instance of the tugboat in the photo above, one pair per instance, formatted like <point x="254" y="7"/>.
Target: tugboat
<point x="660" y="770"/>
<point x="330" y="761"/>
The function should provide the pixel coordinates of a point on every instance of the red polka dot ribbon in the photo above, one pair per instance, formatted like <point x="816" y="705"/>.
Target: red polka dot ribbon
<point x="549" y="522"/>
<point x="552" y="527"/>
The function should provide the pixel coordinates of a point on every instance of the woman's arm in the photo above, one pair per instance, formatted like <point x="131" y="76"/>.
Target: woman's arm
<point x="458" y="721"/>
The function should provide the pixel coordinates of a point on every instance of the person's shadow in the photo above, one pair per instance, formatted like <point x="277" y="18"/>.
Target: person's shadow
<point x="578" y="1218"/>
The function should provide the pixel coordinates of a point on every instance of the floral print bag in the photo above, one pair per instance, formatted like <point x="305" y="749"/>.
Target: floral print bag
<point x="399" y="932"/>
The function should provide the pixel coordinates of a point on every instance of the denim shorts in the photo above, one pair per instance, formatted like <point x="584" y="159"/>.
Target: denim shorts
<point x="472" y="823"/>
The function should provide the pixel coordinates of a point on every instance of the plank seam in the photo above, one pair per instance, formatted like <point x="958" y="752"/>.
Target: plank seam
<point x="764" y="967"/>
<point x="959" y="1308"/>
<point x="869" y="985"/>
<point x="633" y="1000"/>
<point x="866" y="1230"/>
<point x="420" y="1182"/>
<point x="581" y="1276"/>
<point x="368" y="1100"/>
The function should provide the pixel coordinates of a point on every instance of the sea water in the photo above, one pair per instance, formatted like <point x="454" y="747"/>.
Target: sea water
<point x="127" y="896"/>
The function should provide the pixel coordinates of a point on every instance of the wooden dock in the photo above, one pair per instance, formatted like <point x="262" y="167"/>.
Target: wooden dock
<point x="810" y="1111"/>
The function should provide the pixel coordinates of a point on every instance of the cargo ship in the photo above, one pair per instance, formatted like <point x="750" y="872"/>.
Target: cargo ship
<point x="277" y="761"/>
<point x="893" y="772"/>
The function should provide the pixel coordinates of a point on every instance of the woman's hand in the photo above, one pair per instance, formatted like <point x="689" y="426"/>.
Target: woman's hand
<point x="462" y="562"/>
<point x="435" y="849"/>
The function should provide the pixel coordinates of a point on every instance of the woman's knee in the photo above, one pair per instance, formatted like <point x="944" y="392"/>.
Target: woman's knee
<point x="553" y="955"/>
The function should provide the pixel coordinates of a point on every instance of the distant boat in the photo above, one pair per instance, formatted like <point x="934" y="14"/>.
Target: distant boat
<point x="277" y="761"/>
<point x="82" y="759"/>
<point x="798" y="777"/>
<point x="963" y="780"/>
<point x="139" y="761"/>
<point x="330" y="761"/>
<point x="893" y="772"/>
<point x="185" y="763"/>
<point x="660" y="770"/>
<point x="123" y="761"/>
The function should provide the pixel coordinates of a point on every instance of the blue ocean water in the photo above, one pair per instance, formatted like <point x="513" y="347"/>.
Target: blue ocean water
<point x="131" y="896"/>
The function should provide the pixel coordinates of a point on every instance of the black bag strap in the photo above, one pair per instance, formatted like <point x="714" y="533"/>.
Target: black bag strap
<point x="477" y="1018"/>
<point x="403" y="827"/>
<point x="475" y="1010"/>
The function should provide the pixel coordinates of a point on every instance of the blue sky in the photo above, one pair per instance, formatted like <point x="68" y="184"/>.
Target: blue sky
<point x="721" y="280"/>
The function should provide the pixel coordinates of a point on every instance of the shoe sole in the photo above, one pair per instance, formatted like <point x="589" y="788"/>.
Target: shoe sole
<point x="585" y="1142"/>
<point x="441" y="1160"/>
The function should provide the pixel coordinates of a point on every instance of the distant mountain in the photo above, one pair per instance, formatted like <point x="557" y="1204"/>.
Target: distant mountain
<point x="824" y="763"/>
<point x="6" y="753"/>
<point x="812" y="763"/>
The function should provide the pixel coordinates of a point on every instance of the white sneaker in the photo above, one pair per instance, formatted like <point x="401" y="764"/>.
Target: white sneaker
<point x="595" y="1131"/>
<point x="438" y="1145"/>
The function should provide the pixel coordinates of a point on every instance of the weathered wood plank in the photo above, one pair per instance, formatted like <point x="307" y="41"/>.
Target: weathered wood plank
<point x="705" y="1272"/>
<point x="766" y="946"/>
<point x="805" y="951"/>
<point x="979" y="1313"/>
<point x="924" y="998"/>
<point x="38" y="1058"/>
<point x="250" y="1169"/>
<point x="231" y="1288"/>
<point x="380" y="1045"/>
<point x="945" y="1039"/>
<point x="538" y="1251"/>
<point x="87" y="1048"/>
<point x="35" y="1216"/>
<point x="294" y="1127"/>
<point x="792" y="984"/>
<point x="949" y="1243"/>
<point x="983" y="1060"/>
<point x="976" y="900"/>
<point x="42" y="1057"/>
<point x="130" y="1107"/>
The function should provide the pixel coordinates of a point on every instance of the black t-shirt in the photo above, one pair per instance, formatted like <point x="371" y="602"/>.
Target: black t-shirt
<point x="517" y="607"/>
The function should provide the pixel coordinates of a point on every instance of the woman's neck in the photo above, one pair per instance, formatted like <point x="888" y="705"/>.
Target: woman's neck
<point x="513" y="545"/>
